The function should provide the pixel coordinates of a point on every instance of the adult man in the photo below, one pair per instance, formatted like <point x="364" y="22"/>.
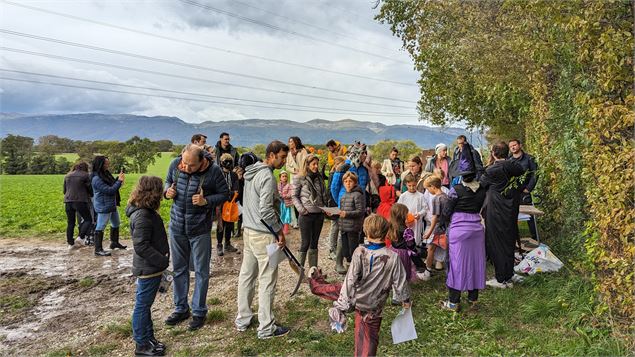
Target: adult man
<point x="335" y="149"/>
<point x="529" y="165"/>
<point x="441" y="161"/>
<point x="261" y="201"/>
<point x="199" y="139"/>
<point x="465" y="155"/>
<point x="224" y="147"/>
<point x="197" y="186"/>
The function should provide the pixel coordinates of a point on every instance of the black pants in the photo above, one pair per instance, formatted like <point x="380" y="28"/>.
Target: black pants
<point x="310" y="228"/>
<point x="224" y="231"/>
<point x="419" y="264"/>
<point x="455" y="295"/>
<point x="350" y="241"/>
<point x="72" y="210"/>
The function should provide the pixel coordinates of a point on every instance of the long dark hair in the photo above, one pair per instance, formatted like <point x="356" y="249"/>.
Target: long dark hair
<point x="298" y="143"/>
<point x="99" y="169"/>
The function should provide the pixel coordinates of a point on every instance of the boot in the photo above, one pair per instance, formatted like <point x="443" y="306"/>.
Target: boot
<point x="339" y="260"/>
<point x="114" y="239"/>
<point x="99" y="250"/>
<point x="219" y="250"/>
<point x="229" y="247"/>
<point x="313" y="258"/>
<point x="302" y="258"/>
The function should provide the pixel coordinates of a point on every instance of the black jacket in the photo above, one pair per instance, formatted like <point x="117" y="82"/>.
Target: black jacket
<point x="529" y="165"/>
<point x="77" y="187"/>
<point x="150" y="241"/>
<point x="218" y="149"/>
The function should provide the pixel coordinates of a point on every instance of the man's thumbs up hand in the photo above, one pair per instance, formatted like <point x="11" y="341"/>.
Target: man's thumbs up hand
<point x="199" y="198"/>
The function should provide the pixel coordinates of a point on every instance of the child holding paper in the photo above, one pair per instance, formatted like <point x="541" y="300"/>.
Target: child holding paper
<point x="374" y="272"/>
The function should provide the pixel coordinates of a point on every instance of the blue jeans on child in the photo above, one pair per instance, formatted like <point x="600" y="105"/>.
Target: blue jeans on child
<point x="103" y="218"/>
<point x="142" y="330"/>
<point x="199" y="248"/>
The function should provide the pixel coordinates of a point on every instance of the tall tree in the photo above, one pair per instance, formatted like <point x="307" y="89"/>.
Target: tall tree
<point x="142" y="152"/>
<point x="16" y="151"/>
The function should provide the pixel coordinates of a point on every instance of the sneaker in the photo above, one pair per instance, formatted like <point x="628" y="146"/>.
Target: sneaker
<point x="424" y="275"/>
<point x="73" y="246"/>
<point x="495" y="284"/>
<point x="148" y="349"/>
<point x="449" y="306"/>
<point x="280" y="331"/>
<point x="517" y="278"/>
<point x="158" y="345"/>
<point x="241" y="328"/>
<point x="196" y="323"/>
<point x="230" y="248"/>
<point x="177" y="317"/>
<point x="509" y="284"/>
<point x="219" y="249"/>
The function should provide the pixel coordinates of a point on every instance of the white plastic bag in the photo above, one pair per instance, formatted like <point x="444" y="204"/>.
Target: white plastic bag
<point x="539" y="260"/>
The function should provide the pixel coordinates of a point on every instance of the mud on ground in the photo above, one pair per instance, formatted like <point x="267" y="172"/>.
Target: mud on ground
<point x="56" y="301"/>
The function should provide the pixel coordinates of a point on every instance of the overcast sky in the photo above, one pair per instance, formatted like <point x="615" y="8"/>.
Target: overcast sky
<point x="196" y="51"/>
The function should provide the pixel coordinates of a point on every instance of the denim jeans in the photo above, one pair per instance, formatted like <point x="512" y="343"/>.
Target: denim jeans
<point x="199" y="248"/>
<point x="142" y="330"/>
<point x="103" y="218"/>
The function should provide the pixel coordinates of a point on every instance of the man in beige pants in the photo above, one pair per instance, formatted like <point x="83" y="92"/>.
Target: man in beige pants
<point x="261" y="201"/>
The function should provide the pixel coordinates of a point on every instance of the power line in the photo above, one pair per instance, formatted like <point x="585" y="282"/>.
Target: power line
<point x="110" y="65"/>
<point x="341" y="34"/>
<point x="218" y="49"/>
<point x="182" y="64"/>
<point x="277" y="28"/>
<point x="336" y="110"/>
<point x="176" y="98"/>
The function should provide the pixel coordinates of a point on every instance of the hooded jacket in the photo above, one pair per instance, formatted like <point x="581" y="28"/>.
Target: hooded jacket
<point x="261" y="199"/>
<point x="150" y="241"/>
<point x="185" y="217"/>
<point x="354" y="204"/>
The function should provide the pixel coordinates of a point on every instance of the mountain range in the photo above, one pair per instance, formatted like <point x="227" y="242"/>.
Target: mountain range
<point x="248" y="132"/>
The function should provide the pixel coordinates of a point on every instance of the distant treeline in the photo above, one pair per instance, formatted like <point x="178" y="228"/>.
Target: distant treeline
<point x="20" y="154"/>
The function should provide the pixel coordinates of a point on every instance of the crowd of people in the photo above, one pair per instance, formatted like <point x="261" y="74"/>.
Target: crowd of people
<point x="391" y="223"/>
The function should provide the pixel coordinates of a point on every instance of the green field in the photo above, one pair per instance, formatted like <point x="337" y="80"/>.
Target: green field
<point x="33" y="205"/>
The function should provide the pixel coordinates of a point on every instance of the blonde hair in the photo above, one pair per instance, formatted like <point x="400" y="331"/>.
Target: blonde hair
<point x="147" y="193"/>
<point x="438" y="172"/>
<point x="226" y="156"/>
<point x="409" y="178"/>
<point x="434" y="181"/>
<point x="376" y="227"/>
<point x="337" y="161"/>
<point x="376" y="165"/>
<point x="350" y="175"/>
<point x="307" y="161"/>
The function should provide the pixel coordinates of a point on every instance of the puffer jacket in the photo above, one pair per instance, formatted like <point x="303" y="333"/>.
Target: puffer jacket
<point x="105" y="199"/>
<point x="185" y="217"/>
<point x="309" y="194"/>
<point x="150" y="241"/>
<point x="354" y="204"/>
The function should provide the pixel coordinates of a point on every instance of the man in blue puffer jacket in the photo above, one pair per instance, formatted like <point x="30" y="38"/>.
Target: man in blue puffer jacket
<point x="197" y="186"/>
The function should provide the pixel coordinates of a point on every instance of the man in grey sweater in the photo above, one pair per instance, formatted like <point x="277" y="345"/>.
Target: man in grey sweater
<point x="260" y="201"/>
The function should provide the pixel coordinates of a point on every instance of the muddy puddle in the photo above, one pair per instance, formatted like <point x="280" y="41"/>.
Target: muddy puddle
<point x="73" y="296"/>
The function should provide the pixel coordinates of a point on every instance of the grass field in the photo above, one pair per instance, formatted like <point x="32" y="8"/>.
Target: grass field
<point x="33" y="205"/>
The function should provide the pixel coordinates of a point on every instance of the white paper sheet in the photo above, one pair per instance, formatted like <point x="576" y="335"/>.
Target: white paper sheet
<point x="403" y="327"/>
<point x="275" y="254"/>
<point x="332" y="210"/>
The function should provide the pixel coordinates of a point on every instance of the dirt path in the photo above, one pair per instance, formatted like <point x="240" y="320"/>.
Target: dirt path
<point x="58" y="298"/>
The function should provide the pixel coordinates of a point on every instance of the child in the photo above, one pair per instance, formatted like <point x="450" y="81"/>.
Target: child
<point x="286" y="193"/>
<point x="403" y="242"/>
<point x="387" y="197"/>
<point x="352" y="210"/>
<point x="225" y="228"/>
<point x="149" y="261"/>
<point x="428" y="196"/>
<point x="416" y="204"/>
<point x="438" y="223"/>
<point x="373" y="273"/>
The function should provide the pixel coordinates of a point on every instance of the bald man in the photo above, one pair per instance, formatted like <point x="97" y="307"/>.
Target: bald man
<point x="197" y="186"/>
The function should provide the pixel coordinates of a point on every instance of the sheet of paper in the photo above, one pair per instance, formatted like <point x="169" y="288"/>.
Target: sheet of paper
<point x="403" y="327"/>
<point x="332" y="210"/>
<point x="275" y="254"/>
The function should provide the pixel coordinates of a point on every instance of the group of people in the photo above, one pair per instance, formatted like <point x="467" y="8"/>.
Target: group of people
<point x="390" y="223"/>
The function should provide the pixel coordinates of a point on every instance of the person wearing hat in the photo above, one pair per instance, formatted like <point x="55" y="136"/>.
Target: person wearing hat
<point x="441" y="161"/>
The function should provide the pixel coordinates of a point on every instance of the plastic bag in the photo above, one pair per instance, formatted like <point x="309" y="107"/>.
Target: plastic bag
<point x="230" y="211"/>
<point x="539" y="260"/>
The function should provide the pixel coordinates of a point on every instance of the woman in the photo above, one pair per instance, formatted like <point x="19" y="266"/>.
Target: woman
<point x="149" y="261"/>
<point x="106" y="200"/>
<point x="309" y="195"/>
<point x="415" y="168"/>
<point x="501" y="214"/>
<point x="440" y="160"/>
<point x="223" y="228"/>
<point x="466" y="238"/>
<point x="296" y="158"/>
<point x="77" y="193"/>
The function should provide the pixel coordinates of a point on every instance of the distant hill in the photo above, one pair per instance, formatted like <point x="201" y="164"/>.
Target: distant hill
<point x="91" y="126"/>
